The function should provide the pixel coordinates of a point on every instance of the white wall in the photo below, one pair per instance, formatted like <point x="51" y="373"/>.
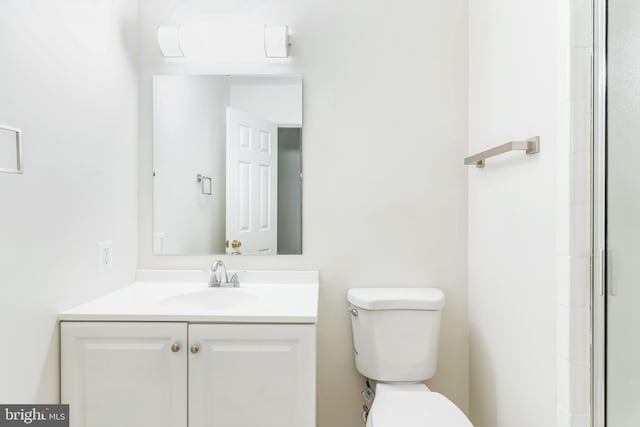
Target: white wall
<point x="190" y="139"/>
<point x="276" y="100"/>
<point x="68" y="79"/>
<point x="384" y="137"/>
<point x="572" y="215"/>
<point x="518" y="79"/>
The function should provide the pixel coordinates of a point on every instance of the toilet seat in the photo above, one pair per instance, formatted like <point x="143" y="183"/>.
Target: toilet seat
<point x="413" y="406"/>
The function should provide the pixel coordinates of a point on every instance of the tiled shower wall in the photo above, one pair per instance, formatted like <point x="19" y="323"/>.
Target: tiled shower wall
<point x="573" y="244"/>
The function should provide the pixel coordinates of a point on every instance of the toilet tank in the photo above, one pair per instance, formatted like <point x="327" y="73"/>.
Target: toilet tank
<point x="396" y="332"/>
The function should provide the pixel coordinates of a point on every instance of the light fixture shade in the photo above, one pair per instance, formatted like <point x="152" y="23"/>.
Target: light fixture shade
<point x="169" y="41"/>
<point x="276" y="41"/>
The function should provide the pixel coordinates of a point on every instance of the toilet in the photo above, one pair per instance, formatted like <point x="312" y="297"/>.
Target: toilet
<point x="395" y="337"/>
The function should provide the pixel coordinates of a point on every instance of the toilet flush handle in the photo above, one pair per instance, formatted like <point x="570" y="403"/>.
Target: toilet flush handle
<point x="353" y="311"/>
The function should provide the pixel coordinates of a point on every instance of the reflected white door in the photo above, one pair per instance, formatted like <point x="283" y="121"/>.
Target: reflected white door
<point x="252" y="184"/>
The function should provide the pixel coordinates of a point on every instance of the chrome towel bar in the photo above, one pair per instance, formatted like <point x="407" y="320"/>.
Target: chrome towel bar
<point x="530" y="146"/>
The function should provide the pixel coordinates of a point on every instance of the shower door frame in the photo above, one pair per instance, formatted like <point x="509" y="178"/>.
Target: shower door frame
<point x="599" y="216"/>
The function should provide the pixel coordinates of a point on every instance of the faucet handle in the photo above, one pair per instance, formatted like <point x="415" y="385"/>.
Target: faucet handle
<point x="235" y="281"/>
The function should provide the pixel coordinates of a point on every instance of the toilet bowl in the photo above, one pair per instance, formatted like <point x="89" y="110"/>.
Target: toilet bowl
<point x="395" y="335"/>
<point x="413" y="405"/>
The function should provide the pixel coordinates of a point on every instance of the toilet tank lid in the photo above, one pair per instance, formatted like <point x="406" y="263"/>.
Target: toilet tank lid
<point x="396" y="298"/>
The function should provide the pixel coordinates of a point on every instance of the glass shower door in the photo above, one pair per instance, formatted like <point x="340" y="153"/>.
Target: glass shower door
<point x="623" y="215"/>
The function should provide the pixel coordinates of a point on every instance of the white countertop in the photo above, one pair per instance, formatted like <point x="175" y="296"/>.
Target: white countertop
<point x="183" y="296"/>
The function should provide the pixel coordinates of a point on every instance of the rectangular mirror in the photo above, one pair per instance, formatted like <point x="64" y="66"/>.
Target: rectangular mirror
<point x="227" y="165"/>
<point x="10" y="150"/>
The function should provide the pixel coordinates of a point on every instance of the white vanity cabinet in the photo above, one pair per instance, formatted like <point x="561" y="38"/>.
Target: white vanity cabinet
<point x="252" y="375"/>
<point x="157" y="374"/>
<point x="124" y="374"/>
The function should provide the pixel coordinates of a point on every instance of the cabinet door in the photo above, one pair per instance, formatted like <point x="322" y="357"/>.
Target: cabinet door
<point x="124" y="374"/>
<point x="252" y="376"/>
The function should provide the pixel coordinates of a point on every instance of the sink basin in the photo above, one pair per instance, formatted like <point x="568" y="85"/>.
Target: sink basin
<point x="210" y="299"/>
<point x="183" y="296"/>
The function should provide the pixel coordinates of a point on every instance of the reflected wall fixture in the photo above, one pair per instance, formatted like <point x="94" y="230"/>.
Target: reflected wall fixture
<point x="169" y="41"/>
<point x="10" y="150"/>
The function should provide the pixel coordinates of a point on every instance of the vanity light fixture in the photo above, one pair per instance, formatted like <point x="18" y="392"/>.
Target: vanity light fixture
<point x="169" y="41"/>
<point x="276" y="41"/>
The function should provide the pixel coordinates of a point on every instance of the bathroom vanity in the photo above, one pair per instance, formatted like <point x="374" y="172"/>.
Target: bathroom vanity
<point x="169" y="351"/>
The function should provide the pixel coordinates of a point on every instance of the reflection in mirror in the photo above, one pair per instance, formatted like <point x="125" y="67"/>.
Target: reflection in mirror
<point x="10" y="150"/>
<point x="227" y="154"/>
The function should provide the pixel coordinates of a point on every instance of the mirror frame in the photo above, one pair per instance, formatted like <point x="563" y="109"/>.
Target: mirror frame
<point x="297" y="76"/>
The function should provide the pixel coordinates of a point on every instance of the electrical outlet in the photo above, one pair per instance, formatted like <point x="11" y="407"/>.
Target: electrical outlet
<point x="105" y="256"/>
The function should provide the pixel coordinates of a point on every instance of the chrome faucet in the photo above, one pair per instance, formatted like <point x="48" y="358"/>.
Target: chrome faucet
<point x="219" y="278"/>
<point x="216" y="278"/>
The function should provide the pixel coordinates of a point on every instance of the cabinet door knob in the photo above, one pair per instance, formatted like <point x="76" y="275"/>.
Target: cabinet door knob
<point x="175" y="347"/>
<point x="195" y="348"/>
